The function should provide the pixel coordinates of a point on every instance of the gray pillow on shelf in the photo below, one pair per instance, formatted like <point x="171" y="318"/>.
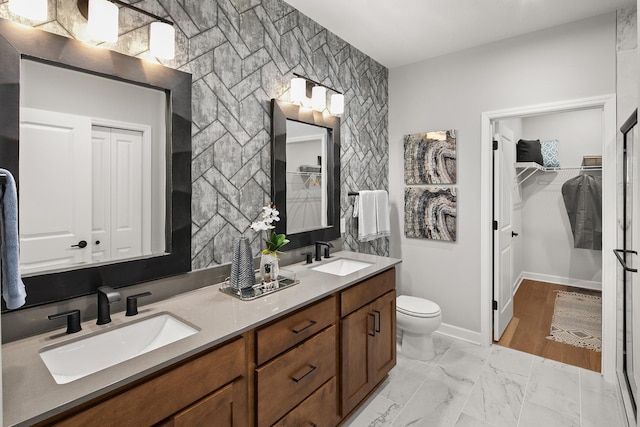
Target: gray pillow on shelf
<point x="529" y="151"/>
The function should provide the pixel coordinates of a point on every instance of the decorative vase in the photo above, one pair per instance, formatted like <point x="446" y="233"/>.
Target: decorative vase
<point x="242" y="275"/>
<point x="269" y="267"/>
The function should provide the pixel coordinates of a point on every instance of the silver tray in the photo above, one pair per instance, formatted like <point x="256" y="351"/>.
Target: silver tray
<point x="286" y="279"/>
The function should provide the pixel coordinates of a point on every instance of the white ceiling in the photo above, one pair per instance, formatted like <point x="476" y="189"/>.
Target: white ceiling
<point x="400" y="32"/>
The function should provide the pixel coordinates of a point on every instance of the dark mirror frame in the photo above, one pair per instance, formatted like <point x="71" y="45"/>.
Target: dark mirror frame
<point x="280" y="113"/>
<point x="18" y="42"/>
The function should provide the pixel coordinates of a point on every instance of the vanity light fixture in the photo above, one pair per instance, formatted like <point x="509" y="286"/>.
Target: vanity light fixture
<point x="35" y="10"/>
<point x="301" y="86"/>
<point x="162" y="34"/>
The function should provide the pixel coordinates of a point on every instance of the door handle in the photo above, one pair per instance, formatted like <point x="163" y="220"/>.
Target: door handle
<point x="514" y="234"/>
<point x="617" y="253"/>
<point x="374" y="320"/>
<point x="374" y="325"/>
<point x="81" y="244"/>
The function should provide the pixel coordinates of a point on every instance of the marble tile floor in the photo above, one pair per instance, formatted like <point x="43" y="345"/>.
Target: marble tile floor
<point x="465" y="385"/>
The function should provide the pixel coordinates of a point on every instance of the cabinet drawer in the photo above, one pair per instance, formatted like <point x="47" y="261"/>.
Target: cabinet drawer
<point x="284" y="334"/>
<point x="365" y="292"/>
<point x="288" y="379"/>
<point x="168" y="393"/>
<point x="213" y="410"/>
<point x="319" y="409"/>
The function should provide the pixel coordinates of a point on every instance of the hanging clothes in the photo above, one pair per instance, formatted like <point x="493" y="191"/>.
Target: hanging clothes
<point x="583" y="200"/>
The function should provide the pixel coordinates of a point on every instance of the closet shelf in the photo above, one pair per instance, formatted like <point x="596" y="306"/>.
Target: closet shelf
<point x="530" y="168"/>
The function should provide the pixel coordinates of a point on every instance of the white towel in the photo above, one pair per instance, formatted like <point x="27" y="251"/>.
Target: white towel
<point x="382" y="213"/>
<point x="13" y="290"/>
<point x="367" y="218"/>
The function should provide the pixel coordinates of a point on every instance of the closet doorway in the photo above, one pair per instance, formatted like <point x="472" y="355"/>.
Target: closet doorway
<point x="542" y="254"/>
<point x="553" y="274"/>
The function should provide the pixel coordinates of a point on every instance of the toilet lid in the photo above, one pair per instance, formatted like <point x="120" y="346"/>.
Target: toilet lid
<point x="417" y="307"/>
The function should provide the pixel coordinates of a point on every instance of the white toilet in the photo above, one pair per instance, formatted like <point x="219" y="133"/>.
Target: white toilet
<point x="417" y="319"/>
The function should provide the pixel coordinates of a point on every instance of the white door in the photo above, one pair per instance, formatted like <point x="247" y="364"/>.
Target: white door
<point x="504" y="159"/>
<point x="101" y="195"/>
<point x="55" y="177"/>
<point x="117" y="194"/>
<point x="126" y="193"/>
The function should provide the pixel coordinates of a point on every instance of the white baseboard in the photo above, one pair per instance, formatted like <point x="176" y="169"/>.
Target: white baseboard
<point x="586" y="284"/>
<point x="460" y="333"/>
<point x="518" y="282"/>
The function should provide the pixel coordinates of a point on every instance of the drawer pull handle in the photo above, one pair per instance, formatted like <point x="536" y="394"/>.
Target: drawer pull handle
<point x="311" y="323"/>
<point x="313" y="368"/>
<point x="312" y="424"/>
<point x="373" y="331"/>
<point x="378" y="316"/>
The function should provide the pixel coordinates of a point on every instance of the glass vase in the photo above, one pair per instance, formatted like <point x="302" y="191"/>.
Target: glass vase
<point x="269" y="267"/>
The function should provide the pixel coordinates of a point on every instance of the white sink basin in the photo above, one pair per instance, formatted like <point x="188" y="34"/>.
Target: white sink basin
<point x="342" y="267"/>
<point x="77" y="359"/>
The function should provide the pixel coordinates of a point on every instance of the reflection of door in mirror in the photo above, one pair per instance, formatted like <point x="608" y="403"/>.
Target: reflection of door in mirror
<point x="306" y="177"/>
<point x="92" y="175"/>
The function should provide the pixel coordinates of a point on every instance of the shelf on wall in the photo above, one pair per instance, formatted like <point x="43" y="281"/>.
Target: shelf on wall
<point x="530" y="168"/>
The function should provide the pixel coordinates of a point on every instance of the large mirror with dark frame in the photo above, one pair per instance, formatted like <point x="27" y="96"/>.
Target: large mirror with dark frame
<point x="100" y="146"/>
<point x="305" y="173"/>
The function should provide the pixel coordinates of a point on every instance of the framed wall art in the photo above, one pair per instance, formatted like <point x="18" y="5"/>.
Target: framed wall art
<point x="430" y="158"/>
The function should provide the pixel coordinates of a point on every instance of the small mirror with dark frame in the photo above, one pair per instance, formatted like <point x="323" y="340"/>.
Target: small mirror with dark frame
<point x="18" y="43"/>
<point x="305" y="173"/>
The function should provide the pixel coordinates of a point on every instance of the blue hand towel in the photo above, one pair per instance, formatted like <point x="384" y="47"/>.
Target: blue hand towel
<point x="13" y="290"/>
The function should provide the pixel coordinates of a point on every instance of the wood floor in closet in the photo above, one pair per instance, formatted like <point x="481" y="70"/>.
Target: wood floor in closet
<point x="531" y="324"/>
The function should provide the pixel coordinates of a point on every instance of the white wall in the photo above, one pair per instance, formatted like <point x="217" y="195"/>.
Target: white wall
<point x="450" y="92"/>
<point x="545" y="237"/>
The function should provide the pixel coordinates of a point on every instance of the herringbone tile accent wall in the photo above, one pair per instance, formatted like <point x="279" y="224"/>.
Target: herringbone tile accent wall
<point x="241" y="54"/>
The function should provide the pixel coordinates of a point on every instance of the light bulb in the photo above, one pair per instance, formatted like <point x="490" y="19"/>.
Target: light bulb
<point x="103" y="20"/>
<point x="298" y="91"/>
<point x="162" y="40"/>
<point x="319" y="98"/>
<point x="337" y="104"/>
<point x="36" y="10"/>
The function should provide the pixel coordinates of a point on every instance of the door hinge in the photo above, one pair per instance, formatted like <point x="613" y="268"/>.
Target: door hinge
<point x="495" y="304"/>
<point x="495" y="145"/>
<point x="495" y="225"/>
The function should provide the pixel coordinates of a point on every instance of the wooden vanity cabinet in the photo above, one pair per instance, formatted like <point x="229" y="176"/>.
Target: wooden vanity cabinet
<point x="308" y="368"/>
<point x="209" y="389"/>
<point x="368" y="337"/>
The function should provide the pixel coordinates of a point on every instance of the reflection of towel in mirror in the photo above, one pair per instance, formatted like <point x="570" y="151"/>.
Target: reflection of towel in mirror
<point x="13" y="290"/>
<point x="373" y="215"/>
<point x="583" y="199"/>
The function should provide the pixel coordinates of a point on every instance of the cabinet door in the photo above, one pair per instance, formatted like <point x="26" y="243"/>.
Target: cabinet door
<point x="383" y="352"/>
<point x="357" y="329"/>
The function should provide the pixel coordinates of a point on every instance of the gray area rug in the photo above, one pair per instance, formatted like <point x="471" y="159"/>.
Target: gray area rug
<point x="577" y="320"/>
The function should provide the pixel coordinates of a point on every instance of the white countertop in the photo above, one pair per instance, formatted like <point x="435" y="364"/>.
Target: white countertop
<point x="30" y="393"/>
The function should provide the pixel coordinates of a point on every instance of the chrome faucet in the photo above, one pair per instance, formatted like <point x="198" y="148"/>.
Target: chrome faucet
<point x="319" y="245"/>
<point x="106" y="296"/>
